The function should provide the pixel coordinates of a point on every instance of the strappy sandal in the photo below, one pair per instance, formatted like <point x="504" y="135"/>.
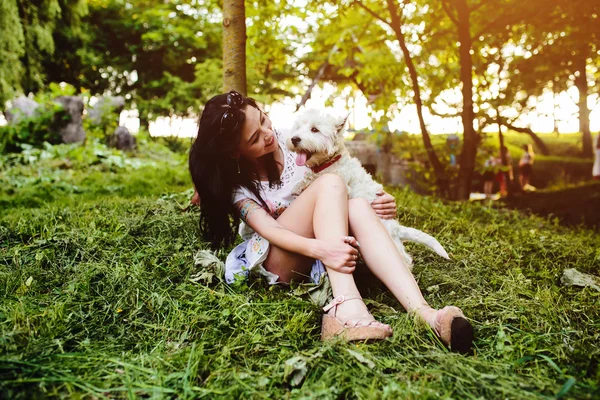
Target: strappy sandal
<point x="454" y="329"/>
<point x="333" y="326"/>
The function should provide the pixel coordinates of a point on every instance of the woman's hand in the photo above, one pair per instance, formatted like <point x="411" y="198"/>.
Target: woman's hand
<point x="384" y="205"/>
<point x="195" y="198"/>
<point x="338" y="254"/>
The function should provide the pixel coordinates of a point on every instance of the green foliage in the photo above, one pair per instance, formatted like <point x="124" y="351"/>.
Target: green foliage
<point x="54" y="173"/>
<point x="273" y="69"/>
<point x="11" y="48"/>
<point x="42" y="127"/>
<point x="420" y="174"/>
<point x="97" y="299"/>
<point x="105" y="127"/>
<point x="28" y="30"/>
<point x="164" y="57"/>
<point x="174" y="143"/>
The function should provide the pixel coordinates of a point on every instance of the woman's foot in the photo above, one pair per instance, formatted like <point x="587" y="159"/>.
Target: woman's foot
<point x="348" y="317"/>
<point x="451" y="326"/>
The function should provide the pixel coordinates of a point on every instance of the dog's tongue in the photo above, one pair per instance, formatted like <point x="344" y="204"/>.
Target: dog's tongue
<point x="301" y="159"/>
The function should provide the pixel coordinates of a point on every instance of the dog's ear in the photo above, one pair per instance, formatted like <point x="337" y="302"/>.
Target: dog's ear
<point x="341" y="122"/>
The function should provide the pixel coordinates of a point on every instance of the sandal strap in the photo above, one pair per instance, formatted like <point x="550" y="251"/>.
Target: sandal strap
<point x="358" y="321"/>
<point x="339" y="300"/>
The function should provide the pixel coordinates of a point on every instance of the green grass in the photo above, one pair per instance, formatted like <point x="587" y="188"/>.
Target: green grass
<point x="96" y="301"/>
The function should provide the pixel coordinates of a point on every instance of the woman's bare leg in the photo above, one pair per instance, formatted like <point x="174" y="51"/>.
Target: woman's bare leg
<point x="381" y="256"/>
<point x="321" y="211"/>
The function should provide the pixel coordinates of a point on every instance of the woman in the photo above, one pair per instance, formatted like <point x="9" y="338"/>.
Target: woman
<point x="489" y="168"/>
<point x="526" y="166"/>
<point x="596" y="168"/>
<point x="505" y="171"/>
<point x="241" y="170"/>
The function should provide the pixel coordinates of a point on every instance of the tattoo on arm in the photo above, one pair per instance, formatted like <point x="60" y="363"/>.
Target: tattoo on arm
<point x="247" y="207"/>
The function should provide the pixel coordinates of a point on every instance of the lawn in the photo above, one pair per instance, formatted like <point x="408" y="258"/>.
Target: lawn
<point x="98" y="300"/>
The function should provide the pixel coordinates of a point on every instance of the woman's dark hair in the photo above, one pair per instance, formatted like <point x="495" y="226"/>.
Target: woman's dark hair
<point x="214" y="169"/>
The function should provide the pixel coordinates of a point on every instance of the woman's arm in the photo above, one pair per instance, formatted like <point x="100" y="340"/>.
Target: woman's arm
<point x="338" y="255"/>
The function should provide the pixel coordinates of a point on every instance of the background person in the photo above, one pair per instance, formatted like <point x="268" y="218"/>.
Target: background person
<point x="526" y="167"/>
<point x="489" y="172"/>
<point x="504" y="171"/>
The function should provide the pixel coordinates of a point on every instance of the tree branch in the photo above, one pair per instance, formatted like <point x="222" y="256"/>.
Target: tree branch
<point x="504" y="20"/>
<point x="315" y="80"/>
<point x="478" y="6"/>
<point x="449" y="12"/>
<point x="539" y="142"/>
<point x="373" y="13"/>
<point x="443" y="115"/>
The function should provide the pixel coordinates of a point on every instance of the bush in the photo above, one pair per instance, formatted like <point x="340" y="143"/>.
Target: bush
<point x="35" y="130"/>
<point x="43" y="126"/>
<point x="551" y="172"/>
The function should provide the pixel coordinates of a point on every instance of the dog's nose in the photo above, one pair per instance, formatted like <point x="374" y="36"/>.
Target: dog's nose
<point x="295" y="140"/>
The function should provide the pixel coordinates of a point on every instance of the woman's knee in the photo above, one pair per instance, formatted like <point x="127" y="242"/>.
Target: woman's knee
<point x="330" y="182"/>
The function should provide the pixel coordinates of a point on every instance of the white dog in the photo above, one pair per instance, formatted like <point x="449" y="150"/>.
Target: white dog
<point x="318" y="140"/>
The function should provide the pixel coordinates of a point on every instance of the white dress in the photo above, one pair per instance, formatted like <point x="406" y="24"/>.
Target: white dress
<point x="246" y="259"/>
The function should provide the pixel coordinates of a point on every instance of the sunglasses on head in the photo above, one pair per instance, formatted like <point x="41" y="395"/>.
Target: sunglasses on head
<point x="230" y="119"/>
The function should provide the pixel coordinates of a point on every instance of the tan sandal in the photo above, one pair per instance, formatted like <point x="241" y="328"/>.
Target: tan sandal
<point x="454" y="329"/>
<point x="333" y="326"/>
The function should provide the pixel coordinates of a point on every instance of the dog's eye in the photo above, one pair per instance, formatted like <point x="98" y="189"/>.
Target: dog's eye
<point x="314" y="130"/>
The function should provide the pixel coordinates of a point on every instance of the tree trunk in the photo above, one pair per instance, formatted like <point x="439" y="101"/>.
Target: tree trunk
<point x="438" y="168"/>
<point x="469" y="150"/>
<point x="234" y="46"/>
<point x="144" y="121"/>
<point x="584" y="112"/>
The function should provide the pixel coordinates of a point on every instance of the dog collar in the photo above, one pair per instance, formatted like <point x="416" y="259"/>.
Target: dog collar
<point x="327" y="164"/>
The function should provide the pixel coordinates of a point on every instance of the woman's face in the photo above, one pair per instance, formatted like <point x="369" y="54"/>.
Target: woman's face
<point x="258" y="137"/>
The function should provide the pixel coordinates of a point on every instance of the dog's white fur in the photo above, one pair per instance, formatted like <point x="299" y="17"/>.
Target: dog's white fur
<point x="320" y="136"/>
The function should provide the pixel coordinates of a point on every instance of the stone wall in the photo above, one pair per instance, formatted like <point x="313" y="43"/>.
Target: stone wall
<point x="391" y="169"/>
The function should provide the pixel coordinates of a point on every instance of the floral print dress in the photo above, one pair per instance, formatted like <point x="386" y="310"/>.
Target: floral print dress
<point x="245" y="260"/>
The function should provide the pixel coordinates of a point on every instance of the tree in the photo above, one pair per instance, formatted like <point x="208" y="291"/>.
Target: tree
<point x="11" y="49"/>
<point x="234" y="46"/>
<point x="462" y="19"/>
<point x="560" y="39"/>
<point x="396" y="25"/>
<point x="27" y="29"/>
<point x="357" y="52"/>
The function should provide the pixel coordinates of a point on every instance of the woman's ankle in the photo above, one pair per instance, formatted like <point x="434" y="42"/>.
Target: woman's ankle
<point x="427" y="314"/>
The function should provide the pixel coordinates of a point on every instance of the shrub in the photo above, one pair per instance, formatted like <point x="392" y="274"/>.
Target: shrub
<point x="35" y="130"/>
<point x="43" y="126"/>
<point x="560" y="171"/>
